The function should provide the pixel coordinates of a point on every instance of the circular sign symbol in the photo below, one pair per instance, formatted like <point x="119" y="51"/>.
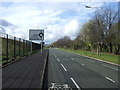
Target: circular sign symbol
<point x="41" y="34"/>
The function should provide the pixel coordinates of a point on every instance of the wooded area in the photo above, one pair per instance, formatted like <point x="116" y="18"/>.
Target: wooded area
<point x="100" y="34"/>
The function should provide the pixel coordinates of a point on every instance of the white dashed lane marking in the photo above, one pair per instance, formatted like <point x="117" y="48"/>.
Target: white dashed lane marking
<point x="63" y="67"/>
<point x="55" y="55"/>
<point x="83" y="64"/>
<point x="110" y="79"/>
<point x="110" y="67"/>
<point x="58" y="59"/>
<point x="75" y="83"/>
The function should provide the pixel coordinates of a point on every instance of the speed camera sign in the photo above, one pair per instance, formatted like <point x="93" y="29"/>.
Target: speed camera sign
<point x="36" y="34"/>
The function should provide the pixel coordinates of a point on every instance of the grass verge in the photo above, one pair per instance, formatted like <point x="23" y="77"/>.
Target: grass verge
<point x="104" y="56"/>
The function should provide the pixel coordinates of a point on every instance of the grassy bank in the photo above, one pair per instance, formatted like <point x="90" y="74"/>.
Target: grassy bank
<point x="104" y="56"/>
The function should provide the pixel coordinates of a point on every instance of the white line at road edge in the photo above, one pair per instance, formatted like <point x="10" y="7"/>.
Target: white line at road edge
<point x="90" y="60"/>
<point x="109" y="79"/>
<point x="63" y="67"/>
<point x="96" y="59"/>
<point x="58" y="59"/>
<point x="110" y="67"/>
<point x="75" y="84"/>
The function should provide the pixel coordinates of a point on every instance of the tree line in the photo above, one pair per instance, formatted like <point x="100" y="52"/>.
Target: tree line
<point x="100" y="34"/>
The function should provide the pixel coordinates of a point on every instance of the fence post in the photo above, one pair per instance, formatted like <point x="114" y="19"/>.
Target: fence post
<point x="23" y="47"/>
<point x="19" y="46"/>
<point x="31" y="46"/>
<point x="26" y="48"/>
<point x="14" y="47"/>
<point x="7" y="48"/>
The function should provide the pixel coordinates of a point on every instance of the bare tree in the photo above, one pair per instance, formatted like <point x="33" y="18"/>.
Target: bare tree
<point x="105" y="18"/>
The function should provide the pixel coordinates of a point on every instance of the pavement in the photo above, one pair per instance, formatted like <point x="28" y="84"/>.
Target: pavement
<point x="25" y="74"/>
<point x="79" y="72"/>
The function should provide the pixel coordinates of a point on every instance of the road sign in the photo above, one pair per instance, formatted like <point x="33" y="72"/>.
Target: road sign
<point x="36" y="34"/>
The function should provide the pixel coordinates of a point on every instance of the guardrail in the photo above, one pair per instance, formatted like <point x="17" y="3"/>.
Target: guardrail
<point x="13" y="47"/>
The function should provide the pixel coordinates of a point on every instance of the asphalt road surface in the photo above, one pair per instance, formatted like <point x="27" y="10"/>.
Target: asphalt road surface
<point x="78" y="72"/>
<point x="25" y="74"/>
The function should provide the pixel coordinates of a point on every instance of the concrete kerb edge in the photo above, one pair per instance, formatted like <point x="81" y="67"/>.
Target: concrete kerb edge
<point x="99" y="60"/>
<point x="43" y="73"/>
<point x="95" y="58"/>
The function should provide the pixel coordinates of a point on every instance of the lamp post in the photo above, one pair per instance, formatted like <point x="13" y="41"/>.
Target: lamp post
<point x="91" y="7"/>
<point x="99" y="42"/>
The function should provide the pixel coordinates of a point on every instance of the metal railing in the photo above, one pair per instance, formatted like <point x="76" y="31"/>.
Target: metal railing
<point x="13" y="47"/>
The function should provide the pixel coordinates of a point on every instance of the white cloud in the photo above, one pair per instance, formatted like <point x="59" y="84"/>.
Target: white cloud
<point x="54" y="32"/>
<point x="50" y="15"/>
<point x="72" y="28"/>
<point x="60" y="0"/>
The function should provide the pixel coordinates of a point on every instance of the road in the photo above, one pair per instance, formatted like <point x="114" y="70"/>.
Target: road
<point x="79" y="72"/>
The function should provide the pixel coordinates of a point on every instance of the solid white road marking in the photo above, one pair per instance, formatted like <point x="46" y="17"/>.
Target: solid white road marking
<point x="72" y="58"/>
<point x="63" y="67"/>
<point x="75" y="83"/>
<point x="83" y="64"/>
<point x="110" y="67"/>
<point x="90" y="60"/>
<point x="109" y="79"/>
<point x="58" y="59"/>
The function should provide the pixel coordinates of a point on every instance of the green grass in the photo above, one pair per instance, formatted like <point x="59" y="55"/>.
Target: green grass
<point x="104" y="56"/>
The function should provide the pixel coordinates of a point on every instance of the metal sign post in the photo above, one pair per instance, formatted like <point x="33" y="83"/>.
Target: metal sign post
<point x="41" y="46"/>
<point x="41" y="36"/>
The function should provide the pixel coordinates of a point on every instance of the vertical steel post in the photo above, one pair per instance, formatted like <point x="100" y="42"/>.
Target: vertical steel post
<point x="31" y="46"/>
<point x="41" y="46"/>
<point x="7" y="48"/>
<point x="19" y="46"/>
<point x="23" y="47"/>
<point x="14" y="47"/>
<point x="26" y="48"/>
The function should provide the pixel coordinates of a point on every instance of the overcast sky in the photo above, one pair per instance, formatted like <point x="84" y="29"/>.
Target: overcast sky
<point x="60" y="18"/>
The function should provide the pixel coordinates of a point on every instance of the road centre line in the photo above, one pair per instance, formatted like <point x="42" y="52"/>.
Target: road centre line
<point x="110" y="79"/>
<point x="110" y="67"/>
<point x="54" y="55"/>
<point x="58" y="59"/>
<point x="83" y="64"/>
<point x="63" y="67"/>
<point x="75" y="83"/>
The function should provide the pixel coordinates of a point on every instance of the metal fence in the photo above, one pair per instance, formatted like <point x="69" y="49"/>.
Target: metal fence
<point x="13" y="47"/>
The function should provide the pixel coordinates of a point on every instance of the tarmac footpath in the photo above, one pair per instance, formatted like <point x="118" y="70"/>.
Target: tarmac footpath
<point x="27" y="73"/>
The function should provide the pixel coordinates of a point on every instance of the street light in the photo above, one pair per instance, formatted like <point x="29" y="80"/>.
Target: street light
<point x="90" y="7"/>
<point x="99" y="44"/>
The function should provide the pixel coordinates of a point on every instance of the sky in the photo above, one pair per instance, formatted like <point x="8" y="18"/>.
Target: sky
<point x="59" y="19"/>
